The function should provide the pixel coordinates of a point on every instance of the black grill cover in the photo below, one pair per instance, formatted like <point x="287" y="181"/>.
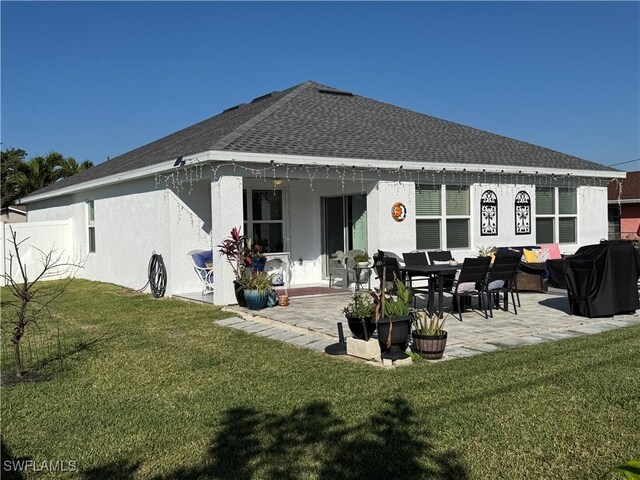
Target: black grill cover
<point x="602" y="279"/>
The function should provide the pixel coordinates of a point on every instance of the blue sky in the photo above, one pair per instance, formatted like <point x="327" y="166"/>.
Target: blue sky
<point x="92" y="80"/>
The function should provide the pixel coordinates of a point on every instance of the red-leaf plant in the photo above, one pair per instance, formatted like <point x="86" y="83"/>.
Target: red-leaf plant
<point x="233" y="247"/>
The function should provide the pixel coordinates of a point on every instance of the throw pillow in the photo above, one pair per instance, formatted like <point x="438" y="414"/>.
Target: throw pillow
<point x="554" y="251"/>
<point x="530" y="256"/>
<point x="441" y="262"/>
<point x="464" y="287"/>
<point x="542" y="254"/>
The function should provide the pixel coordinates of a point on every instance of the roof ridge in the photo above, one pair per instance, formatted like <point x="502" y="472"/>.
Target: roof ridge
<point x="259" y="117"/>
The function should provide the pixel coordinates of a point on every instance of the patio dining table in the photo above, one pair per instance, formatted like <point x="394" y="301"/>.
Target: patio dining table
<point x="439" y="272"/>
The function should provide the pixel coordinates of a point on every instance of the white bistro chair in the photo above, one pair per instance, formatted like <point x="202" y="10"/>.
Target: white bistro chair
<point x="200" y="259"/>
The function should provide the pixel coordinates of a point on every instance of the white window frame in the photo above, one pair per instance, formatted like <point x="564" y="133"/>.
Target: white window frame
<point x="556" y="216"/>
<point x="91" y="225"/>
<point x="248" y="222"/>
<point x="443" y="217"/>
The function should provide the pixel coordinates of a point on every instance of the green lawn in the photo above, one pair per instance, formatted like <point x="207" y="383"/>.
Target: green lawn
<point x="155" y="389"/>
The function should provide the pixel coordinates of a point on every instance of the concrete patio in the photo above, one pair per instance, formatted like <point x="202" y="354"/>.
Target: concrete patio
<point x="311" y="322"/>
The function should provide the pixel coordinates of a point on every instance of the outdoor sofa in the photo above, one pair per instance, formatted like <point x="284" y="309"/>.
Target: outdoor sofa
<point x="533" y="273"/>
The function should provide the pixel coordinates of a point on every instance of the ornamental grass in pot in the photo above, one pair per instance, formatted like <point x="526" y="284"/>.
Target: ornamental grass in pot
<point x="360" y="314"/>
<point x="257" y="288"/>
<point x="429" y="336"/>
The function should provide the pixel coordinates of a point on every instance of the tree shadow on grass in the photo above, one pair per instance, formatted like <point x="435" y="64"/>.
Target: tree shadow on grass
<point x="80" y="347"/>
<point x="311" y="442"/>
<point x="40" y="370"/>
<point x="122" y="470"/>
<point x="10" y="469"/>
<point x="391" y="444"/>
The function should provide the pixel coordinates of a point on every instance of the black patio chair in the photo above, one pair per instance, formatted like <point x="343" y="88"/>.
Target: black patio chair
<point x="474" y="270"/>
<point x="439" y="256"/>
<point x="416" y="259"/>
<point x="505" y="268"/>
<point x="442" y="256"/>
<point x="389" y="265"/>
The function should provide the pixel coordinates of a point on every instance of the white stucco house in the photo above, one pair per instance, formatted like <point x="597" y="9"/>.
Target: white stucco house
<point x="310" y="170"/>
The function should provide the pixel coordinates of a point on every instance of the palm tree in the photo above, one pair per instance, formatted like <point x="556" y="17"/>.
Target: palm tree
<point x="34" y="174"/>
<point x="68" y="166"/>
<point x="39" y="172"/>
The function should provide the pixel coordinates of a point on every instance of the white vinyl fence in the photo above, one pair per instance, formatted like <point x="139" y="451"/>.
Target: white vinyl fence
<point x="51" y="236"/>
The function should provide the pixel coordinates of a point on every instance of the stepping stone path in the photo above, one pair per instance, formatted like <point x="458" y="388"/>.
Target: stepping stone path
<point x="305" y="340"/>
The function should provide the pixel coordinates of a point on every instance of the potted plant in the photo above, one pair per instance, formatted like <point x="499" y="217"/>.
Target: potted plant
<point x="233" y="248"/>
<point x="257" y="288"/>
<point x="393" y="319"/>
<point x="255" y="256"/>
<point x="360" y="315"/>
<point x="362" y="259"/>
<point x="429" y="336"/>
<point x="486" y="251"/>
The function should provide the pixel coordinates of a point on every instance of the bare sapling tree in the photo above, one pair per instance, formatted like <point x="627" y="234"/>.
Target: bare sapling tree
<point x="34" y="298"/>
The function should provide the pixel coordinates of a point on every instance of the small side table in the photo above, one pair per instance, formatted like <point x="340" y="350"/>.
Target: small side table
<point x="359" y="271"/>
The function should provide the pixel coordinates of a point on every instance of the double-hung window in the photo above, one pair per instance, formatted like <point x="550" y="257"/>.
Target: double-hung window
<point x="556" y="215"/>
<point x="264" y="218"/>
<point x="91" y="219"/>
<point x="442" y="217"/>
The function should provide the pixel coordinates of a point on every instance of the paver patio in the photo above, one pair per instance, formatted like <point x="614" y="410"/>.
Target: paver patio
<point x="311" y="322"/>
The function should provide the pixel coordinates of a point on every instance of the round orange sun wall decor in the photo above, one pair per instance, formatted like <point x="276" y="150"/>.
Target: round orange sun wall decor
<point x="399" y="211"/>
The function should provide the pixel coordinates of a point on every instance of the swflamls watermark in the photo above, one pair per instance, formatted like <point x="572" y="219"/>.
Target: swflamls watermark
<point x="35" y="466"/>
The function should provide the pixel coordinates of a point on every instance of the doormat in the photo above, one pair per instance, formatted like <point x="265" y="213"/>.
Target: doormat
<point x="306" y="291"/>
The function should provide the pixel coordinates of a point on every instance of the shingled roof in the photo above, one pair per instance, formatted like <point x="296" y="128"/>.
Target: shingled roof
<point x="629" y="188"/>
<point x="318" y="121"/>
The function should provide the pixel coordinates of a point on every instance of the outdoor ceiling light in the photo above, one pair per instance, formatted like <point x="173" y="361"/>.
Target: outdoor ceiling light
<point x="278" y="181"/>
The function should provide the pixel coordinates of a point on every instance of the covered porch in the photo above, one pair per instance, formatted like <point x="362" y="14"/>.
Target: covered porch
<point x="304" y="214"/>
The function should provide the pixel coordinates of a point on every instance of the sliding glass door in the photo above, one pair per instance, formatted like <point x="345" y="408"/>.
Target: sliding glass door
<point x="344" y="224"/>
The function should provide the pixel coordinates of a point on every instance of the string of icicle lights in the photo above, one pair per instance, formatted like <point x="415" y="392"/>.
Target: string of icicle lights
<point x="184" y="178"/>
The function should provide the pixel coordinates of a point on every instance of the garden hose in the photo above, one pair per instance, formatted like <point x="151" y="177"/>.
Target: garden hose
<point x="156" y="276"/>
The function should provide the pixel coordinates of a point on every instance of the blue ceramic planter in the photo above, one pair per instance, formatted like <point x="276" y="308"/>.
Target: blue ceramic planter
<point x="256" y="300"/>
<point x="258" y="264"/>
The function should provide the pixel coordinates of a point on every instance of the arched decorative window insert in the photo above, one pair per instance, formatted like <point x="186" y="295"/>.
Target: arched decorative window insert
<point x="523" y="213"/>
<point x="489" y="213"/>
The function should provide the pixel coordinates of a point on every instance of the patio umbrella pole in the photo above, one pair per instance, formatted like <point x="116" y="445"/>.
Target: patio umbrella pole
<point x="339" y="348"/>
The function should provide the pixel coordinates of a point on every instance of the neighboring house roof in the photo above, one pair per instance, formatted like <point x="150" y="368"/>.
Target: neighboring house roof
<point x="630" y="188"/>
<point x="318" y="121"/>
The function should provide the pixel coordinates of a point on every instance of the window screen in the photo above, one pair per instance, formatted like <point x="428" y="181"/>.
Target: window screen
<point x="544" y="230"/>
<point x="457" y="233"/>
<point x="428" y="234"/>
<point x="457" y="200"/>
<point x="544" y="201"/>
<point x="428" y="200"/>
